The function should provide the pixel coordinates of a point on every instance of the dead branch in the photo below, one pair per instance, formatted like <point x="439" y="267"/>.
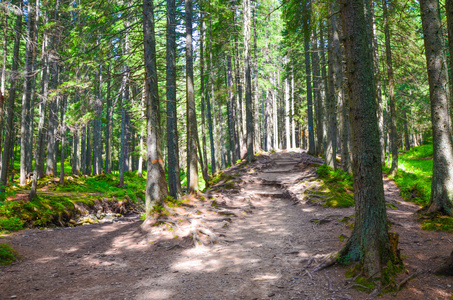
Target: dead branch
<point x="328" y="261"/>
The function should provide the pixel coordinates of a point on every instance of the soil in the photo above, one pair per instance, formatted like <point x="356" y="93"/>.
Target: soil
<point x="257" y="235"/>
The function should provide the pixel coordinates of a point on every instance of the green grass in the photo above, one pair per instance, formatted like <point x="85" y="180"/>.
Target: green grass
<point x="415" y="174"/>
<point x="7" y="254"/>
<point x="414" y="179"/>
<point x="337" y="187"/>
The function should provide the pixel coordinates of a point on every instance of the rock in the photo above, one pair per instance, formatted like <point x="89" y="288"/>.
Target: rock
<point x="90" y="219"/>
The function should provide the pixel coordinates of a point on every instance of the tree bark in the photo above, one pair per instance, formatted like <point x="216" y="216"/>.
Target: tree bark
<point x="306" y="17"/>
<point x="317" y="91"/>
<point x="9" y="136"/>
<point x="370" y="241"/>
<point x="108" y="128"/>
<point x="333" y="38"/>
<point x="174" y="181"/>
<point x="442" y="183"/>
<point x="392" y="116"/>
<point x="25" y="142"/>
<point x="192" y="133"/>
<point x="156" y="184"/>
<point x="204" y="157"/>
<point x="248" y="83"/>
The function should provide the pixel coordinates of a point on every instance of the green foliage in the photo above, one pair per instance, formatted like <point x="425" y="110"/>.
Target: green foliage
<point x="219" y="176"/>
<point x="7" y="254"/>
<point x="337" y="187"/>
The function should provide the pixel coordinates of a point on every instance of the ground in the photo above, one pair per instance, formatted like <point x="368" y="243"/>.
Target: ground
<point x="266" y="236"/>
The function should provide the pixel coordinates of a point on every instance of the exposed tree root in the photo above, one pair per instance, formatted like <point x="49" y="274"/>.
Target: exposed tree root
<point x="328" y="261"/>
<point x="195" y="228"/>
<point x="406" y="280"/>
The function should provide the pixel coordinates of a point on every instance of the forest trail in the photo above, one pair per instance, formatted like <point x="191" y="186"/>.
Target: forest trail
<point x="271" y="232"/>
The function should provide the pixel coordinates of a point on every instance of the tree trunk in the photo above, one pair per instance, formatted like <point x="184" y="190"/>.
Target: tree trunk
<point x="331" y="146"/>
<point x="27" y="96"/>
<point x="231" y="113"/>
<point x="323" y="88"/>
<point x="370" y="241"/>
<point x="5" y="50"/>
<point x="208" y="103"/>
<point x="392" y="116"/>
<point x="293" y="122"/>
<point x="9" y="136"/>
<point x="156" y="184"/>
<point x="306" y="11"/>
<point x="202" y="96"/>
<point x="287" y="123"/>
<point x="97" y="141"/>
<point x="442" y="184"/>
<point x="174" y="181"/>
<point x="317" y="91"/>
<point x="108" y="127"/>
<point x="248" y="83"/>
<point x="192" y="133"/>
<point x="63" y="136"/>
<point x="449" y="13"/>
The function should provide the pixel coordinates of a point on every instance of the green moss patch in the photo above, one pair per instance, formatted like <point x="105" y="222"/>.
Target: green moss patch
<point x="435" y="221"/>
<point x="336" y="188"/>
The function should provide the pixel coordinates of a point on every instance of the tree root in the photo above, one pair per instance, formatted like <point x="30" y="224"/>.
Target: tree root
<point x="328" y="261"/>
<point x="406" y="280"/>
<point x="195" y="228"/>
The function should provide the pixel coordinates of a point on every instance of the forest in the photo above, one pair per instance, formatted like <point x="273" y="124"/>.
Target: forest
<point x="169" y="127"/>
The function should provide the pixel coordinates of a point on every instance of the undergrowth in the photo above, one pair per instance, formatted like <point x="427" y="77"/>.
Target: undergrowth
<point x="7" y="254"/>
<point x="337" y="187"/>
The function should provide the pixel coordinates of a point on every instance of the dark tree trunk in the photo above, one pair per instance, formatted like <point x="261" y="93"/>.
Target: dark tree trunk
<point x="324" y="90"/>
<point x="406" y="131"/>
<point x="9" y="136"/>
<point x="108" y="128"/>
<point x="174" y="181"/>
<point x="123" y="144"/>
<point x="370" y="241"/>
<point x="192" y="133"/>
<point x="83" y="145"/>
<point x="204" y="157"/>
<point x="248" y="83"/>
<point x="63" y="137"/>
<point x="156" y="184"/>
<point x="25" y="142"/>
<point x="331" y="145"/>
<point x="449" y="13"/>
<point x="208" y="102"/>
<point x="392" y="116"/>
<point x="317" y="83"/>
<point x="442" y="184"/>
<point x="306" y="11"/>
<point x="231" y="112"/>
<point x="97" y="141"/>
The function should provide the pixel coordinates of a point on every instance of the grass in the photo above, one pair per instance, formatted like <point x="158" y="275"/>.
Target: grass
<point x="415" y="174"/>
<point x="7" y="254"/>
<point x="337" y="187"/>
<point x="414" y="179"/>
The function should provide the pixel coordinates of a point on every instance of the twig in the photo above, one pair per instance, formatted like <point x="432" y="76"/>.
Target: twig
<point x="330" y="283"/>
<point x="398" y="287"/>
<point x="309" y="275"/>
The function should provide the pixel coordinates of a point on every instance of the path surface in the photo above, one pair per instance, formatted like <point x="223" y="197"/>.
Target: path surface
<point x="261" y="252"/>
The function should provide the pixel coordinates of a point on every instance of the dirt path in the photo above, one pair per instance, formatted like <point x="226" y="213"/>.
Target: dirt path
<point x="262" y="248"/>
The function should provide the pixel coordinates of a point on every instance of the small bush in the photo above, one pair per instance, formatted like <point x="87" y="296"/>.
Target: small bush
<point x="7" y="254"/>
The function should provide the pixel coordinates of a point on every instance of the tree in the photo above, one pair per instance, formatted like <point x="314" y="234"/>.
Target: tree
<point x="392" y="116"/>
<point x="174" y="181"/>
<point x="156" y="184"/>
<point x="192" y="133"/>
<point x="442" y="183"/>
<point x="248" y="83"/>
<point x="370" y="240"/>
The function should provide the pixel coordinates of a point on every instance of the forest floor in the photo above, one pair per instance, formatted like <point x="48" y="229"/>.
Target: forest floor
<point x="261" y="232"/>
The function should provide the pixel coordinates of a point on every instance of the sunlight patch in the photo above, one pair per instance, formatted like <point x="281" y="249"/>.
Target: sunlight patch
<point x="266" y="277"/>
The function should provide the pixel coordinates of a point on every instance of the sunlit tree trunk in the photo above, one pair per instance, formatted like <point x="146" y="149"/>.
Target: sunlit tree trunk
<point x="442" y="183"/>
<point x="192" y="133"/>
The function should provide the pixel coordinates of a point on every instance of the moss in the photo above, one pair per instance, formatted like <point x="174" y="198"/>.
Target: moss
<point x="435" y="221"/>
<point x="336" y="188"/>
<point x="7" y="254"/>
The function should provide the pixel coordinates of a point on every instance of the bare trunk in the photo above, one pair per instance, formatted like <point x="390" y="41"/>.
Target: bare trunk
<point x="156" y="184"/>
